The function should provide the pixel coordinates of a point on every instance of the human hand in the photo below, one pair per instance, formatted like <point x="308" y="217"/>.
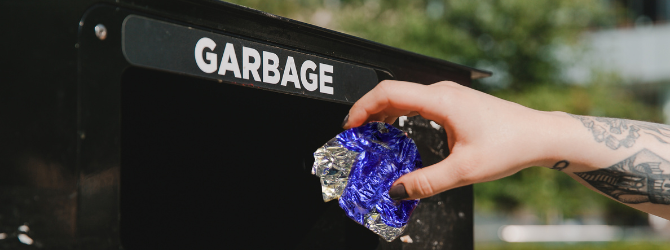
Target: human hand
<point x="488" y="138"/>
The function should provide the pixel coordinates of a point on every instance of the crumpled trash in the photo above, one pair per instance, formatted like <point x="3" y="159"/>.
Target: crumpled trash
<point x="359" y="166"/>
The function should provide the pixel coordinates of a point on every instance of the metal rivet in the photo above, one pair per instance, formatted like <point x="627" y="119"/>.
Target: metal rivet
<point x="101" y="31"/>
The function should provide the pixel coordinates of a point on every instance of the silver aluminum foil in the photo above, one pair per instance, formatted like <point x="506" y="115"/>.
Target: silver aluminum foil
<point x="333" y="165"/>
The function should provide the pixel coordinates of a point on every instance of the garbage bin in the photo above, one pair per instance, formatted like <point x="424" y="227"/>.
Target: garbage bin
<point x="192" y="125"/>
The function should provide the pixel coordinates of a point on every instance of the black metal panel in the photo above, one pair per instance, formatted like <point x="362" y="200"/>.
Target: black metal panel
<point x="170" y="47"/>
<point x="444" y="221"/>
<point x="38" y="136"/>
<point x="129" y="156"/>
<point x="263" y="26"/>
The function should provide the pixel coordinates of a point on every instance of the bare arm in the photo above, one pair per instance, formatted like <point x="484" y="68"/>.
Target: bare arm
<point x="628" y="162"/>
<point x="490" y="138"/>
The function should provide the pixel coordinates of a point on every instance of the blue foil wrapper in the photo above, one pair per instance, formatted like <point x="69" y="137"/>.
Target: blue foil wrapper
<point x="359" y="166"/>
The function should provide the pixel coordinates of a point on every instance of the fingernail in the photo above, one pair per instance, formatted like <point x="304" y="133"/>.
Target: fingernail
<point x="346" y="119"/>
<point x="398" y="192"/>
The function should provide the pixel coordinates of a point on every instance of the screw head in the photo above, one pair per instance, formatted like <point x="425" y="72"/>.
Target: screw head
<point x="101" y="31"/>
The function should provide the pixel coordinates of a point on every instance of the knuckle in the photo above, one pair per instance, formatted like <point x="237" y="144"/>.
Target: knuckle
<point x="445" y="87"/>
<point x="466" y="173"/>
<point x="382" y="89"/>
<point x="447" y="92"/>
<point x="422" y="186"/>
<point x="448" y="87"/>
<point x="385" y="84"/>
<point x="446" y="84"/>
<point x="445" y="98"/>
<point x="357" y="107"/>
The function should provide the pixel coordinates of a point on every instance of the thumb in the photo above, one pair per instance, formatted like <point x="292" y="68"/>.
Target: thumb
<point x="431" y="180"/>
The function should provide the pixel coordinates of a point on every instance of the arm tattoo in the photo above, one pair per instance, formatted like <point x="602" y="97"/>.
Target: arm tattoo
<point x="561" y="165"/>
<point x="640" y="178"/>
<point x="621" y="132"/>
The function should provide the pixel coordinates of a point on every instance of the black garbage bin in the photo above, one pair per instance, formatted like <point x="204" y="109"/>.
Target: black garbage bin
<point x="183" y="125"/>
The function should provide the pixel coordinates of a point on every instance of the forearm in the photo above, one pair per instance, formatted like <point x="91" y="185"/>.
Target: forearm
<point x="490" y="138"/>
<point x="626" y="160"/>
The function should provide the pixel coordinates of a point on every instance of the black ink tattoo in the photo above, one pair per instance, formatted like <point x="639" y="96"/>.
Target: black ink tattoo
<point x="623" y="132"/>
<point x="637" y="179"/>
<point x="561" y="165"/>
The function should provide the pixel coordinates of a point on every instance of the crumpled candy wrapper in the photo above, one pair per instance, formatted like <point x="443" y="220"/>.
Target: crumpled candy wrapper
<point x="359" y="166"/>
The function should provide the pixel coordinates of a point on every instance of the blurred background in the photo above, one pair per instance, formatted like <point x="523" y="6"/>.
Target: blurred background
<point x="589" y="57"/>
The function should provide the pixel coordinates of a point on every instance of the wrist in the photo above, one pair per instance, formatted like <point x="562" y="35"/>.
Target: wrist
<point x="571" y="139"/>
<point x="561" y="140"/>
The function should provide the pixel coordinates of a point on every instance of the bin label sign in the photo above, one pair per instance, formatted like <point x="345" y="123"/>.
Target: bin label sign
<point x="165" y="46"/>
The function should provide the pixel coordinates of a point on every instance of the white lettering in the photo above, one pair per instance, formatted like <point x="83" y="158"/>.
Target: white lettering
<point x="267" y="68"/>
<point x="229" y="61"/>
<point x="249" y="66"/>
<point x="211" y="57"/>
<point x="323" y="69"/>
<point x="252" y="61"/>
<point x="290" y="73"/>
<point x="309" y="85"/>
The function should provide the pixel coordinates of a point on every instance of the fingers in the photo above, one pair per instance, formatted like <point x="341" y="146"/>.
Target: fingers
<point x="392" y="99"/>
<point x="391" y="119"/>
<point x="432" y="180"/>
<point x="387" y="101"/>
<point x="390" y="115"/>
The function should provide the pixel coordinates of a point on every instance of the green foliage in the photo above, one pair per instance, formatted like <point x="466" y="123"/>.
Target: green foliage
<point x="547" y="191"/>
<point x="516" y="39"/>
<point x="604" y="95"/>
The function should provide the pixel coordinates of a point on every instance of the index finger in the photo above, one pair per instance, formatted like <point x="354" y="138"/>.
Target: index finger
<point x="386" y="95"/>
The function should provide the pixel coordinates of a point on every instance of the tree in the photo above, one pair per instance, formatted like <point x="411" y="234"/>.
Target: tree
<point x="519" y="41"/>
